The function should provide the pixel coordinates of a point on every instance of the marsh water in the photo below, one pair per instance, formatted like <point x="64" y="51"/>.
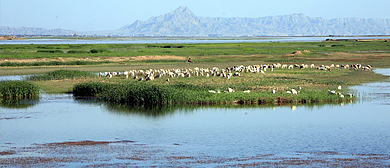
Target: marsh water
<point x="357" y="127"/>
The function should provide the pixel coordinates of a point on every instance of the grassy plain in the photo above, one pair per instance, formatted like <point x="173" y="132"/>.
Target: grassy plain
<point x="39" y="59"/>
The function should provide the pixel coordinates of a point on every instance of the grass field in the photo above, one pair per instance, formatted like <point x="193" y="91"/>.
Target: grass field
<point x="319" y="52"/>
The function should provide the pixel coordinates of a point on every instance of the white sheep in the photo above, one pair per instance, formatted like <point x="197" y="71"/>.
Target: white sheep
<point x="294" y="92"/>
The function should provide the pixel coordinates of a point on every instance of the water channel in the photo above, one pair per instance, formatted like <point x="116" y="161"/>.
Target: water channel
<point x="359" y="127"/>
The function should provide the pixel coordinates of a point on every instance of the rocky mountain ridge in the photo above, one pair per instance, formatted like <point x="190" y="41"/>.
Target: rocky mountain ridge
<point x="182" y="22"/>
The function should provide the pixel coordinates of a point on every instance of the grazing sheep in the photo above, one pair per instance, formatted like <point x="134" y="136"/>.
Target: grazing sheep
<point x="350" y="95"/>
<point x="246" y="91"/>
<point x="294" y="92"/>
<point x="339" y="88"/>
<point x="262" y="72"/>
<point x="273" y="91"/>
<point x="230" y="90"/>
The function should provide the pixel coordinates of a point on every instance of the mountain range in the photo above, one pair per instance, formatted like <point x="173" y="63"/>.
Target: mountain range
<point x="182" y="22"/>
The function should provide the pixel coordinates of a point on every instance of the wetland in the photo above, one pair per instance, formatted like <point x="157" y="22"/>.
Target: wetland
<point x="64" y="130"/>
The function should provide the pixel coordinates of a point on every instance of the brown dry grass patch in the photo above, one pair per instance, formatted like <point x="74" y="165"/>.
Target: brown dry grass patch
<point x="296" y="53"/>
<point x="157" y="57"/>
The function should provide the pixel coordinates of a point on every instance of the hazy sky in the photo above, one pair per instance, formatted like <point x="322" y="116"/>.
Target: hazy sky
<point x="83" y="15"/>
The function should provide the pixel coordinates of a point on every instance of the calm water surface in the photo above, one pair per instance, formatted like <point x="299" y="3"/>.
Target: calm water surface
<point x="360" y="127"/>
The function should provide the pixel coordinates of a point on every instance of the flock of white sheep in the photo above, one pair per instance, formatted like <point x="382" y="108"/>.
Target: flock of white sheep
<point x="151" y="74"/>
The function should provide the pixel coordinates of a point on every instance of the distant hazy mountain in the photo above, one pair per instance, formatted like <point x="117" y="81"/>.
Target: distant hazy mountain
<point x="182" y="22"/>
<point x="33" y="31"/>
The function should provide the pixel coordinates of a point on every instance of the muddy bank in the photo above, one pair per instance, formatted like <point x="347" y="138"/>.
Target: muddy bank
<point x="129" y="153"/>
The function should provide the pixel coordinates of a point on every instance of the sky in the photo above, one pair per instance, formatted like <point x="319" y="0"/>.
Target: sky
<point x="97" y="15"/>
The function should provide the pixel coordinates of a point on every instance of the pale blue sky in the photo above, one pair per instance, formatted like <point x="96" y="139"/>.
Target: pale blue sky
<point x="83" y="15"/>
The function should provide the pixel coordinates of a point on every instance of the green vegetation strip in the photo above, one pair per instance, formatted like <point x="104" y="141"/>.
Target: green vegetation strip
<point x="180" y="93"/>
<point x="108" y="50"/>
<point x="18" y="89"/>
<point x="50" y="63"/>
<point x="61" y="74"/>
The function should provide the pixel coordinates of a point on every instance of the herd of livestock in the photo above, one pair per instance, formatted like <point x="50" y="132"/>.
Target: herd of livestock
<point x="151" y="74"/>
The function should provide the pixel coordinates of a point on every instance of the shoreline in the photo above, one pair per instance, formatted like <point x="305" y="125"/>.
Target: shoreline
<point x="131" y="153"/>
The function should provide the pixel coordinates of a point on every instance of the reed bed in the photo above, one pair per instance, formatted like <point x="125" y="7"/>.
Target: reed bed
<point x="18" y="89"/>
<point x="181" y="93"/>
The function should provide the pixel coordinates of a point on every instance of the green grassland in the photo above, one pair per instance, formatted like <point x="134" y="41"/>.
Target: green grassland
<point x="201" y="53"/>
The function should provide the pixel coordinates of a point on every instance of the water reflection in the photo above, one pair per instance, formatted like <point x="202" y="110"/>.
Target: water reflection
<point x="18" y="103"/>
<point x="161" y="111"/>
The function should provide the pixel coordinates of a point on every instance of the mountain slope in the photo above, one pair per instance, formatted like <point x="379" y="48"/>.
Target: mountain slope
<point x="183" y="22"/>
<point x="33" y="31"/>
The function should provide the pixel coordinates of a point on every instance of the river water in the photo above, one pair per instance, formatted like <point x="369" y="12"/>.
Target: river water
<point x="359" y="127"/>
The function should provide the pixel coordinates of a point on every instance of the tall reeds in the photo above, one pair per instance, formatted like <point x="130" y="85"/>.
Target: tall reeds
<point x="18" y="89"/>
<point x="180" y="93"/>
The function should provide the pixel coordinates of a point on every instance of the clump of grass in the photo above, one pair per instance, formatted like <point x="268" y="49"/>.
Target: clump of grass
<point x="18" y="89"/>
<point x="78" y="52"/>
<point x="61" y="74"/>
<point x="91" y="88"/>
<point x="99" y="50"/>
